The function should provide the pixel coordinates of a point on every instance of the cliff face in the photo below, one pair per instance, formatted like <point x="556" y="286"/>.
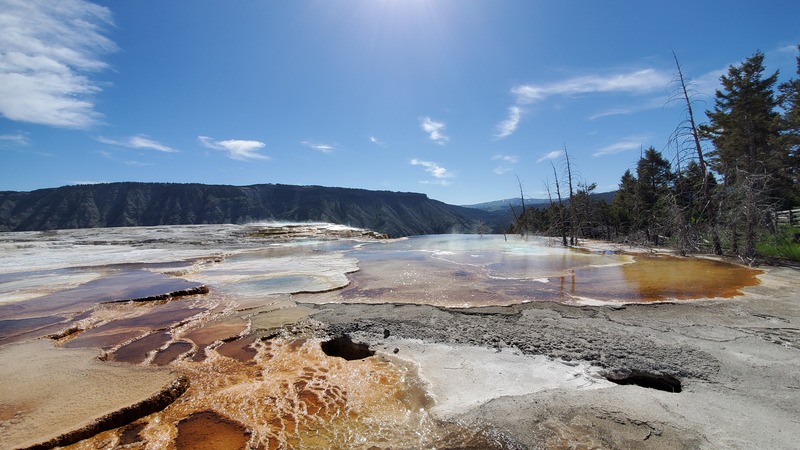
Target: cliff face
<point x="148" y="204"/>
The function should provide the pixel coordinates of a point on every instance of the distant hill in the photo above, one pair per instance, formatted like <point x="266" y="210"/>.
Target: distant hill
<point x="503" y="205"/>
<point x="148" y="204"/>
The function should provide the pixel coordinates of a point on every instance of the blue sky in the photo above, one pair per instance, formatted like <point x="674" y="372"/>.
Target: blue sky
<point x="452" y="98"/>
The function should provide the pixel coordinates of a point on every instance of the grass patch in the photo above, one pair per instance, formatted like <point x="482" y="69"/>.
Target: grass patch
<point x="785" y="244"/>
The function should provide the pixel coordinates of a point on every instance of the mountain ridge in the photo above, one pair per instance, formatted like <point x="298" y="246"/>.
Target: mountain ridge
<point x="503" y="205"/>
<point x="149" y="204"/>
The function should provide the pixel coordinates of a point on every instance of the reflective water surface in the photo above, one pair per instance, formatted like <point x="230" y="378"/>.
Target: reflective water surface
<point x="471" y="270"/>
<point x="210" y="304"/>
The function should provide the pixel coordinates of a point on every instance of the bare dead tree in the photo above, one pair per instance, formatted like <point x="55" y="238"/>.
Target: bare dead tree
<point x="573" y="239"/>
<point x="523" y="216"/>
<point x="552" y="228"/>
<point x="687" y="134"/>
<point x="516" y="217"/>
<point x="521" y="194"/>
<point x="561" y="220"/>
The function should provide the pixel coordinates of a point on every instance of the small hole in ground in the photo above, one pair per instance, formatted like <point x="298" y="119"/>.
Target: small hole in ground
<point x="344" y="347"/>
<point x="666" y="383"/>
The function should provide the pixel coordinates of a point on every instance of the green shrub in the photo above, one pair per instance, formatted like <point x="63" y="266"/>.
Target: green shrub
<point x="783" y="244"/>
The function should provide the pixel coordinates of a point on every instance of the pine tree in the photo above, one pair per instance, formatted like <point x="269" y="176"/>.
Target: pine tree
<point x="652" y="191"/>
<point x="624" y="208"/>
<point x="744" y="129"/>
<point x="790" y="139"/>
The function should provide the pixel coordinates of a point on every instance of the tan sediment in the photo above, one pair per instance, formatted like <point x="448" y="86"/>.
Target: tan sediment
<point x="55" y="396"/>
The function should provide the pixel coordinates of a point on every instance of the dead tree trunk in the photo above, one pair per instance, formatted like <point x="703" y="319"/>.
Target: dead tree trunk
<point x="710" y="206"/>
<point x="573" y="239"/>
<point x="561" y="225"/>
<point x="523" y="217"/>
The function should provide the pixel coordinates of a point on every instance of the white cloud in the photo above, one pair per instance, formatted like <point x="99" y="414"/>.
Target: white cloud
<point x="48" y="50"/>
<point x="641" y="105"/>
<point x="238" y="149"/>
<point x="513" y="159"/>
<point x="18" y="142"/>
<point x="324" y="148"/>
<point x="509" y="126"/>
<point x="434" y="130"/>
<point x="555" y="154"/>
<point x="510" y="159"/>
<point x="440" y="173"/>
<point x="707" y="84"/>
<point x="640" y="81"/>
<point x="626" y="144"/>
<point x="614" y="112"/>
<point x="113" y="157"/>
<point x="16" y="138"/>
<point x="138" y="164"/>
<point x="377" y="141"/>
<point x="137" y="141"/>
<point x="636" y="82"/>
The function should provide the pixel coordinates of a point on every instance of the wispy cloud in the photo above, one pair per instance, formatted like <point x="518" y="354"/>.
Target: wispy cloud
<point x="15" y="139"/>
<point x="138" y="164"/>
<point x="434" y="130"/>
<point x="790" y="49"/>
<point x="639" y="82"/>
<point x="113" y="157"/>
<point x="137" y="141"/>
<point x="555" y="154"/>
<point x="440" y="174"/>
<point x="706" y="85"/>
<point x="509" y="126"/>
<point x="238" y="149"/>
<point x="630" y="143"/>
<point x="512" y="159"/>
<point x="642" y="81"/>
<point x="503" y="169"/>
<point x="324" y="148"/>
<point x="19" y="143"/>
<point x="49" y="51"/>
<point x="614" y="112"/>
<point x="639" y="106"/>
<point x="377" y="141"/>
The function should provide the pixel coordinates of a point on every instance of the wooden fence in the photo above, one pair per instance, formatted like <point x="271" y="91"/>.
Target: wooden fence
<point x="788" y="217"/>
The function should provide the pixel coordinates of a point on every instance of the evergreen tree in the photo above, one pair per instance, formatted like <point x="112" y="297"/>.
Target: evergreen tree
<point x="652" y="193"/>
<point x="744" y="131"/>
<point x="624" y="206"/>
<point x="790" y="139"/>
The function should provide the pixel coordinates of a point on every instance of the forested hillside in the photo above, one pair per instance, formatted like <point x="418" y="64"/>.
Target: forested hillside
<point x="147" y="204"/>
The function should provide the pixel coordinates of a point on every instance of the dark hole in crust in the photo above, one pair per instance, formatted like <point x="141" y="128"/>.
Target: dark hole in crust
<point x="666" y="383"/>
<point x="344" y="347"/>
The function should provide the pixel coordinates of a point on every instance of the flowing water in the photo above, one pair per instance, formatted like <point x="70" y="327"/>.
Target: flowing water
<point x="210" y="303"/>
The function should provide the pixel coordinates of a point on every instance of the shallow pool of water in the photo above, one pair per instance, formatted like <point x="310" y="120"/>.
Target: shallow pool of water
<point x="471" y="270"/>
